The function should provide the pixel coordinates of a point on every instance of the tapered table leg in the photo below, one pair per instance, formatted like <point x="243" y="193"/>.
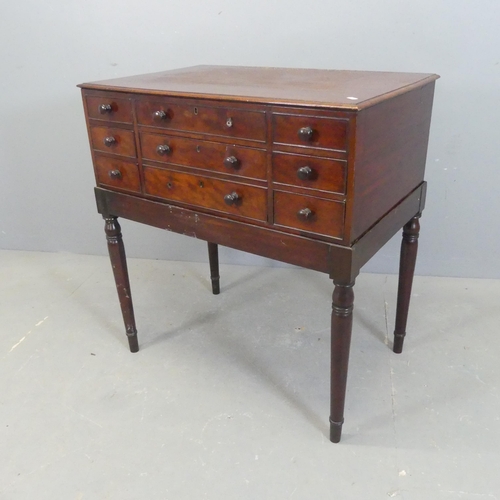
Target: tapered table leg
<point x="213" y="257"/>
<point x="342" y="306"/>
<point x="409" y="247"/>
<point x="119" y="264"/>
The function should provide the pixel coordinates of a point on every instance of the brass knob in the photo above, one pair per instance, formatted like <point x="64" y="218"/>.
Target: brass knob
<point x="109" y="141"/>
<point x="305" y="214"/>
<point x="115" y="174"/>
<point x="159" y="115"/>
<point x="306" y="133"/>
<point x="232" y="198"/>
<point x="304" y="173"/>
<point x="232" y="162"/>
<point x="163" y="149"/>
<point x="105" y="108"/>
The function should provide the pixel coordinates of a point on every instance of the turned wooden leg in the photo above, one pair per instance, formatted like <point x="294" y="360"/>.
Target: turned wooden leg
<point x="119" y="265"/>
<point x="342" y="306"/>
<point x="409" y="248"/>
<point x="213" y="257"/>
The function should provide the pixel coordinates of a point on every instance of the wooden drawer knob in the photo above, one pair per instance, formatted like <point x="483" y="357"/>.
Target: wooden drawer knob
<point x="115" y="174"/>
<point x="105" y="108"/>
<point x="109" y="141"/>
<point x="232" y="162"/>
<point x="306" y="133"/>
<point x="159" y="115"/>
<point x="232" y="198"/>
<point x="163" y="149"/>
<point x="304" y="173"/>
<point x="305" y="214"/>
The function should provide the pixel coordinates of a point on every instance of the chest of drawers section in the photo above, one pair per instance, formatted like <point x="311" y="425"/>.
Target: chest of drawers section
<point x="309" y="171"/>
<point x="211" y="156"/>
<point x="278" y="167"/>
<point x="110" y="122"/>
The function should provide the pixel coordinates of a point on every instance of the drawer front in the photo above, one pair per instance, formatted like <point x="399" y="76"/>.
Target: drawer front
<point x="309" y="214"/>
<point x="245" y="201"/>
<point x="113" y="140"/>
<point x="310" y="172"/>
<point x="110" y="109"/>
<point x="225" y="122"/>
<point x="237" y="160"/>
<point x="117" y="174"/>
<point x="310" y="131"/>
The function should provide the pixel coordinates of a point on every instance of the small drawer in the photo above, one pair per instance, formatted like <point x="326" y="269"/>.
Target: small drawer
<point x="313" y="215"/>
<point x="310" y="131"/>
<point x="109" y="108"/>
<point x="310" y="172"/>
<point x="236" y="160"/>
<point x="117" y="174"/>
<point x="225" y="122"/>
<point x="228" y="197"/>
<point x="118" y="141"/>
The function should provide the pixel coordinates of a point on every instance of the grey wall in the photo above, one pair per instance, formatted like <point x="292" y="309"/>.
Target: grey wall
<point x="48" y="47"/>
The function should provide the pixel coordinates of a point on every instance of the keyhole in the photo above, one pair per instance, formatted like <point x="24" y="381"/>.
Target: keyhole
<point x="198" y="149"/>
<point x="195" y="111"/>
<point x="201" y="184"/>
<point x="169" y="185"/>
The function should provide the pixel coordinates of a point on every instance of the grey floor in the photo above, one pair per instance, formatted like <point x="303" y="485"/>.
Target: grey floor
<point x="228" y="397"/>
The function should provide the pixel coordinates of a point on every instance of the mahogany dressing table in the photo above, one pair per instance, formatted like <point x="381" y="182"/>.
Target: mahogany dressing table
<point x="311" y="167"/>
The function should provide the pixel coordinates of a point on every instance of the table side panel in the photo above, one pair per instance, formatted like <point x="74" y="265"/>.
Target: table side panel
<point x="390" y="155"/>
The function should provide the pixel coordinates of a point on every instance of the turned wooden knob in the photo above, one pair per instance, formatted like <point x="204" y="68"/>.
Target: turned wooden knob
<point x="105" y="108"/>
<point x="304" y="173"/>
<point x="306" y="133"/>
<point x="159" y="115"/>
<point x="232" y="162"/>
<point x="232" y="198"/>
<point x="163" y="149"/>
<point x="109" y="141"/>
<point x="115" y="174"/>
<point x="305" y="214"/>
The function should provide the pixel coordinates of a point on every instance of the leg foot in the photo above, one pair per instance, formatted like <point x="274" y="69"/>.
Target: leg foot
<point x="335" y="431"/>
<point x="342" y="306"/>
<point x="213" y="258"/>
<point x="119" y="264"/>
<point x="409" y="247"/>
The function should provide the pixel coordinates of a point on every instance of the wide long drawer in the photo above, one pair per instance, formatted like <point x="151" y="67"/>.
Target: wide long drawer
<point x="216" y="156"/>
<point x="214" y="194"/>
<point x="216" y="121"/>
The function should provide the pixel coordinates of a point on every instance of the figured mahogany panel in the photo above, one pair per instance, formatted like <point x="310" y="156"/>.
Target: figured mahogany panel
<point x="109" y="108"/>
<point x="310" y="172"/>
<point x="213" y="194"/>
<point x="215" y="121"/>
<point x="310" y="214"/>
<point x="118" y="174"/>
<point x="113" y="140"/>
<point x="215" y="156"/>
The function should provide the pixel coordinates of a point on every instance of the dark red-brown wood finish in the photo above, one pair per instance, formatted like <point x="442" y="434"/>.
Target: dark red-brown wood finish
<point x="311" y="167"/>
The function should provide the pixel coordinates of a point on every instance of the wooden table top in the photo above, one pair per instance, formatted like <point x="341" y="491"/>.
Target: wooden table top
<point x="350" y="90"/>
